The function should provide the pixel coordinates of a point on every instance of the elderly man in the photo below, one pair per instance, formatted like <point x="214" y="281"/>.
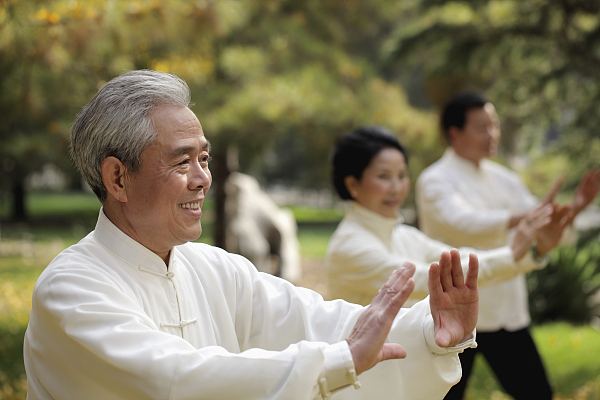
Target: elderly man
<point x="464" y="199"/>
<point x="136" y="311"/>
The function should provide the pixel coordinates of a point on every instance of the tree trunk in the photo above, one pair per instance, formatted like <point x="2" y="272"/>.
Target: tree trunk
<point x="221" y="172"/>
<point x="226" y="162"/>
<point x="19" y="209"/>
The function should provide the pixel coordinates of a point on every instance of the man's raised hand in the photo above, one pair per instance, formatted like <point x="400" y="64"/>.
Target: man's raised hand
<point x="367" y="339"/>
<point x="453" y="301"/>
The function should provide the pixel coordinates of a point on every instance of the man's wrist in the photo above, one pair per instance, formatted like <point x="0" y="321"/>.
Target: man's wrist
<point x="338" y="370"/>
<point x="537" y="255"/>
<point x="429" y="333"/>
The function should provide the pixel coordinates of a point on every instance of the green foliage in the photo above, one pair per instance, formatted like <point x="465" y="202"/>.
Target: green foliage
<point x="536" y="60"/>
<point x="313" y="240"/>
<point x="259" y="72"/>
<point x="50" y="209"/>
<point x="18" y="273"/>
<point x="570" y="157"/>
<point x="568" y="288"/>
<point x="311" y="215"/>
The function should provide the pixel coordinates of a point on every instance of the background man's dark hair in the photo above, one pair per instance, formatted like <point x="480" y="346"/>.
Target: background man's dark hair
<point x="454" y="113"/>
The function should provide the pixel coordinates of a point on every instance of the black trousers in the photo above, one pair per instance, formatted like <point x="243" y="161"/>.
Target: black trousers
<point x="515" y="361"/>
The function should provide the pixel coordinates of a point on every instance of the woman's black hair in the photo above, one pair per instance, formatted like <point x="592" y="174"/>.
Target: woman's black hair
<point x="354" y="151"/>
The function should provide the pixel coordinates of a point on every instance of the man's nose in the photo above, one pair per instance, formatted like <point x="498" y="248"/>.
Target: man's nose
<point x="200" y="178"/>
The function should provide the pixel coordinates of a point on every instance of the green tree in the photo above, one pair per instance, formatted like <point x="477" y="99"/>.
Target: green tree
<point x="259" y="72"/>
<point x="46" y="70"/>
<point x="538" y="60"/>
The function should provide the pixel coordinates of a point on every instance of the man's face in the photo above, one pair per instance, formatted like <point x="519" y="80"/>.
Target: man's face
<point x="165" y="195"/>
<point x="479" y="138"/>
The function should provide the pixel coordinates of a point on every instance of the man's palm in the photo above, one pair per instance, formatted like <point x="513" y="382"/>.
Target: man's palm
<point x="453" y="301"/>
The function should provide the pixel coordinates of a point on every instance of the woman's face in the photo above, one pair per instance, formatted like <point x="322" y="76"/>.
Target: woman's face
<point x="384" y="184"/>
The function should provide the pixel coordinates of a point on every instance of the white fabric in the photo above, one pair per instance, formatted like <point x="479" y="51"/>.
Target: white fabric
<point x="110" y="321"/>
<point x="461" y="204"/>
<point x="366" y="247"/>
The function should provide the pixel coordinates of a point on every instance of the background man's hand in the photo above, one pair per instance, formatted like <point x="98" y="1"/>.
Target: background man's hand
<point x="548" y="236"/>
<point x="587" y="190"/>
<point x="548" y="200"/>
<point x="367" y="339"/>
<point x="527" y="229"/>
<point x="454" y="302"/>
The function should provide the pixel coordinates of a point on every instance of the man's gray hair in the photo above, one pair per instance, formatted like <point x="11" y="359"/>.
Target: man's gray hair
<point x="116" y="122"/>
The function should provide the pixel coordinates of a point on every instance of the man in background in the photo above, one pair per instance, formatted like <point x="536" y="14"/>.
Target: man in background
<point x="464" y="199"/>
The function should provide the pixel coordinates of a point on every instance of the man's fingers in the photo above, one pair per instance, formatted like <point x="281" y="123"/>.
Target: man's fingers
<point x="473" y="272"/>
<point x="446" y="271"/>
<point x="591" y="180"/>
<point x="538" y="218"/>
<point x="394" y="293"/>
<point x="587" y="190"/>
<point x="458" y="279"/>
<point x="541" y="212"/>
<point x="434" y="283"/>
<point x="392" y="351"/>
<point x="565" y="215"/>
<point x="409" y="268"/>
<point x="562" y="212"/>
<point x="403" y="294"/>
<point x="545" y="211"/>
<point x="539" y="223"/>
<point x="396" y="281"/>
<point x="367" y="339"/>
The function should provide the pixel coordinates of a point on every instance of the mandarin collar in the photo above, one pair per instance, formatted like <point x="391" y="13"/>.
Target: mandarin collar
<point x="464" y="164"/>
<point x="129" y="250"/>
<point x="379" y="225"/>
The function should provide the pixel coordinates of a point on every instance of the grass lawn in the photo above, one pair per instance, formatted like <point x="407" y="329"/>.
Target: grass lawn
<point x="571" y="353"/>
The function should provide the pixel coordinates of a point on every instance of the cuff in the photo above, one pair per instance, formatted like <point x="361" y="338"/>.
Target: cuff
<point x="429" y="333"/>
<point x="536" y="257"/>
<point x="338" y="370"/>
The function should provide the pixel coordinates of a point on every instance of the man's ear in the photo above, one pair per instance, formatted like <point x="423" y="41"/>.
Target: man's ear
<point x="351" y="185"/>
<point x="453" y="134"/>
<point x="113" y="178"/>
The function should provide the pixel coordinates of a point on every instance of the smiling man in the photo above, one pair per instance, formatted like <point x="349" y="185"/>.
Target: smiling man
<point x="160" y="204"/>
<point x="134" y="310"/>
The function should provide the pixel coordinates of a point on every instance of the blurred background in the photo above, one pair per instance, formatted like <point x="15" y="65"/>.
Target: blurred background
<point x="274" y="82"/>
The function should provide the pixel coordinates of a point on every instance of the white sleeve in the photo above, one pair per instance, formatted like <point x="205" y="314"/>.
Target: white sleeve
<point x="495" y="265"/>
<point x="363" y="264"/>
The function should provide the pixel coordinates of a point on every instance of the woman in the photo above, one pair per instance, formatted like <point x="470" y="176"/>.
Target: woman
<point x="370" y="171"/>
